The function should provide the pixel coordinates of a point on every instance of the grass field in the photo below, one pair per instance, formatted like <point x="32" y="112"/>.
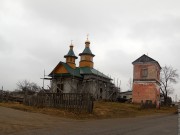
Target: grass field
<point x="102" y="110"/>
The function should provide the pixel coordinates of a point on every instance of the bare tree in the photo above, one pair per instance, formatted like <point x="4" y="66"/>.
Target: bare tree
<point x="27" y="86"/>
<point x="169" y="76"/>
<point x="130" y="84"/>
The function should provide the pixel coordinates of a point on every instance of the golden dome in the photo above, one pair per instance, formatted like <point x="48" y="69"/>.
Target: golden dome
<point x="87" y="41"/>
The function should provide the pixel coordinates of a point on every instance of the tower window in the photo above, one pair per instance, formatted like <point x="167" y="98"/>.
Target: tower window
<point x="144" y="72"/>
<point x="91" y="59"/>
<point x="82" y="57"/>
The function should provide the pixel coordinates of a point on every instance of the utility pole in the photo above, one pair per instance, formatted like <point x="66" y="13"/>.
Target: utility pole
<point x="120" y="86"/>
<point x="43" y="78"/>
<point x="178" y="119"/>
<point x="176" y="98"/>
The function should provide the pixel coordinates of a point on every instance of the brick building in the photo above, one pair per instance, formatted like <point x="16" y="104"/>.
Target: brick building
<point x="146" y="80"/>
<point x="66" y="77"/>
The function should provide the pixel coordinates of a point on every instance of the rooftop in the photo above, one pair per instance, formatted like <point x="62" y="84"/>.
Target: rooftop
<point x="144" y="59"/>
<point x="78" y="72"/>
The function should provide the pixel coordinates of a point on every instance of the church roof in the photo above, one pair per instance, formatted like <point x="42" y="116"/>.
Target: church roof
<point x="71" y="71"/>
<point x="77" y="72"/>
<point x="87" y="50"/>
<point x="71" y="54"/>
<point x="144" y="59"/>
<point x="88" y="70"/>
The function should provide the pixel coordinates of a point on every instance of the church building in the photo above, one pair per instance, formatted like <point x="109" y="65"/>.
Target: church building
<point x="66" y="77"/>
<point x="146" y="80"/>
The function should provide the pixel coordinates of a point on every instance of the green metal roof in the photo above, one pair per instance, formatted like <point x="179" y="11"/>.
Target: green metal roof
<point x="71" y="54"/>
<point x="88" y="70"/>
<point x="78" y="72"/>
<point x="87" y="50"/>
<point x="73" y="72"/>
<point x="60" y="75"/>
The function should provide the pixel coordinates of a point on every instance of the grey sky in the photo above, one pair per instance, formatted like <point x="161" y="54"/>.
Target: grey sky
<point x="35" y="35"/>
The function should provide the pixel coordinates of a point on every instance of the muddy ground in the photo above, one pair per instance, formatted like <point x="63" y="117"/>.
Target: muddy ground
<point x="15" y="122"/>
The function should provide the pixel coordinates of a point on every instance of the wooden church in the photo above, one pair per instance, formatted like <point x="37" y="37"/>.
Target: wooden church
<point x="66" y="77"/>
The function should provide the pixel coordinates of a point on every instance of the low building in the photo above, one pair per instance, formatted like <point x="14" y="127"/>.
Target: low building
<point x="126" y="95"/>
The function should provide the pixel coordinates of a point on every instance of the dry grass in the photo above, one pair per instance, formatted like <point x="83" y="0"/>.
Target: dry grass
<point x="102" y="110"/>
<point x="119" y="110"/>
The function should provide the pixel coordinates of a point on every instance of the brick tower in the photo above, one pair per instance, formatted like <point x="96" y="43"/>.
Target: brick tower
<point x="146" y="80"/>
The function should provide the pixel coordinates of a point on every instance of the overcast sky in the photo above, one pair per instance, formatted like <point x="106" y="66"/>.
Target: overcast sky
<point x="36" y="34"/>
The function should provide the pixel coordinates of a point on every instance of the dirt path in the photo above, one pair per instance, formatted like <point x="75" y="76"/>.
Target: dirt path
<point x="15" y="122"/>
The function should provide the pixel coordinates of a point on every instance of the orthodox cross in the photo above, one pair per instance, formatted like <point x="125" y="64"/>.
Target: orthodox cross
<point x="71" y="42"/>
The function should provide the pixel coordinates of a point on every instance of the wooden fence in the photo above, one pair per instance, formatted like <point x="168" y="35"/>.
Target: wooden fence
<point x="6" y="97"/>
<point x="70" y="101"/>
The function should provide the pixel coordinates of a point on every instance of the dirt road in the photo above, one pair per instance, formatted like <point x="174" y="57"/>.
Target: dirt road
<point x="15" y="122"/>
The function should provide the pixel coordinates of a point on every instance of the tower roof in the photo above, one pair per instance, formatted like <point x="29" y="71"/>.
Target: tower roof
<point x="70" y="53"/>
<point x="144" y="59"/>
<point x="87" y="49"/>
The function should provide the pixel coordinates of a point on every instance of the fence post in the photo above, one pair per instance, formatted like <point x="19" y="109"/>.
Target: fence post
<point x="178" y="118"/>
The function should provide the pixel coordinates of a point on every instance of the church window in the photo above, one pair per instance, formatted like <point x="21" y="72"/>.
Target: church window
<point x="91" y="59"/>
<point x="82" y="57"/>
<point x="101" y="93"/>
<point x="100" y="90"/>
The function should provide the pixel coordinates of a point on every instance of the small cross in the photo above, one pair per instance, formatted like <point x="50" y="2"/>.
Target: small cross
<point x="87" y="36"/>
<point x="71" y="42"/>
